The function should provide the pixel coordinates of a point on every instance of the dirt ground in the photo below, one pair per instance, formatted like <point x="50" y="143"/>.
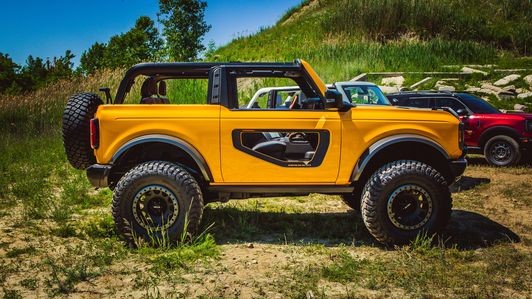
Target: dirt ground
<point x="286" y="247"/>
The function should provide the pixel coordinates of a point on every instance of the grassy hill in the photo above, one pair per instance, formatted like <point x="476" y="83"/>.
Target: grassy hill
<point x="343" y="38"/>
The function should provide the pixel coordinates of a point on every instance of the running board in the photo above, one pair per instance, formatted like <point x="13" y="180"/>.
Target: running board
<point x="326" y="189"/>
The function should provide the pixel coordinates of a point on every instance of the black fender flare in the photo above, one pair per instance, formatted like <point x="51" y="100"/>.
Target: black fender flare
<point x="383" y="143"/>
<point x="497" y="130"/>
<point x="171" y="140"/>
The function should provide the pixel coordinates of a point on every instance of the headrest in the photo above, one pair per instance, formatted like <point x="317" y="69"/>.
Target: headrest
<point x="162" y="88"/>
<point x="149" y="87"/>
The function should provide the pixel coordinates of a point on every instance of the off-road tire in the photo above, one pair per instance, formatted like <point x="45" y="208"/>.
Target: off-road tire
<point x="170" y="176"/>
<point x="380" y="188"/>
<point x="78" y="112"/>
<point x="510" y="149"/>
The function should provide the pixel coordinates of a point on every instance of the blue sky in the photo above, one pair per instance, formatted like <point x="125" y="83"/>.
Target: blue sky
<point x="46" y="28"/>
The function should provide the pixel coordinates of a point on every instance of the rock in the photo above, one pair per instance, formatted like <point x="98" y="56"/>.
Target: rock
<point x="520" y="107"/>
<point x="473" y="89"/>
<point x="528" y="79"/>
<point x="469" y="70"/>
<point x="505" y="95"/>
<point x="389" y="89"/>
<point x="491" y="87"/>
<point x="446" y="88"/>
<point x="509" y="88"/>
<point x="254" y="262"/>
<point x="506" y="80"/>
<point x="443" y="85"/>
<point x="521" y="90"/>
<point x="524" y="95"/>
<point x="310" y="294"/>
<point x="393" y="81"/>
<point x="487" y="91"/>
<point x="250" y="245"/>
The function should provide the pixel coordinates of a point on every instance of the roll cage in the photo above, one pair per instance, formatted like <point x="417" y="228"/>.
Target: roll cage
<point x="222" y="77"/>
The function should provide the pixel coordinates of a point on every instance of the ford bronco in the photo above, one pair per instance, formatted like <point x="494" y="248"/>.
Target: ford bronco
<point x="164" y="161"/>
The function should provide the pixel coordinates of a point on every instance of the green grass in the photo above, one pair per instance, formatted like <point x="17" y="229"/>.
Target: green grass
<point x="419" y="272"/>
<point x="501" y="24"/>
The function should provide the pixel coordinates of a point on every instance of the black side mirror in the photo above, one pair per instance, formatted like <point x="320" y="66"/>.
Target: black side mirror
<point x="462" y="112"/>
<point x="333" y="96"/>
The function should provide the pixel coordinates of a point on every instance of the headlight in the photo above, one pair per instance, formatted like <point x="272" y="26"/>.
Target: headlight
<point x="528" y="125"/>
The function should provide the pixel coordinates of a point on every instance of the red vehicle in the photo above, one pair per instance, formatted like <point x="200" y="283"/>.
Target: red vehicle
<point x="503" y="138"/>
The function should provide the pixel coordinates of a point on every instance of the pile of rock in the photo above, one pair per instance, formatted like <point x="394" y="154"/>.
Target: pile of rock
<point x="504" y="89"/>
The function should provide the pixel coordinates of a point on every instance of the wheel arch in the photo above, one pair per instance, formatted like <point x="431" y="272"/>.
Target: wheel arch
<point x="400" y="147"/>
<point x="497" y="130"/>
<point x="160" y="147"/>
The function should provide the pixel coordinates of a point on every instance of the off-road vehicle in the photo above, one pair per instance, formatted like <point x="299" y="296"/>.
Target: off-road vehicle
<point x="164" y="161"/>
<point x="503" y="138"/>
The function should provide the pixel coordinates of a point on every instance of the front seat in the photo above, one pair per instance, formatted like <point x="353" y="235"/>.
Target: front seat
<point x="149" y="90"/>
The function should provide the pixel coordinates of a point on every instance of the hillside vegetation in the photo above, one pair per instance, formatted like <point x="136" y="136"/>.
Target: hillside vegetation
<point x="346" y="37"/>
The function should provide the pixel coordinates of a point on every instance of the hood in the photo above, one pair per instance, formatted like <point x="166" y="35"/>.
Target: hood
<point x="402" y="113"/>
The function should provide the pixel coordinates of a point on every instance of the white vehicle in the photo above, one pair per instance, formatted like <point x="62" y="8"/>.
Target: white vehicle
<point x="353" y="92"/>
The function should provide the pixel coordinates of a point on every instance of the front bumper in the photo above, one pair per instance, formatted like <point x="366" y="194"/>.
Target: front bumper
<point x="458" y="167"/>
<point x="98" y="175"/>
<point x="526" y="143"/>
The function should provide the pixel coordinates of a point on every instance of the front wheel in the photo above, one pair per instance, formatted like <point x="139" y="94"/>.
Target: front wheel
<point x="403" y="199"/>
<point x="157" y="202"/>
<point x="502" y="150"/>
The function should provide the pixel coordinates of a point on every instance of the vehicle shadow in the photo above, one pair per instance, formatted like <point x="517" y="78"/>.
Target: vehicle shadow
<point x="466" y="230"/>
<point x="466" y="183"/>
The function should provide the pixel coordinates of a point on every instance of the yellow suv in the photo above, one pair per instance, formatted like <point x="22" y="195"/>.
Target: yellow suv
<point x="164" y="161"/>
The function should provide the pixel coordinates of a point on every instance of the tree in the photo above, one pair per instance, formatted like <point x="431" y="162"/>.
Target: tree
<point x="141" y="43"/>
<point x="8" y="73"/>
<point x="184" y="27"/>
<point x="93" y="59"/>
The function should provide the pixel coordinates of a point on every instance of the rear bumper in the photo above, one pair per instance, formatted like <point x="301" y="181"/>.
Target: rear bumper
<point x="458" y="167"/>
<point x="98" y="175"/>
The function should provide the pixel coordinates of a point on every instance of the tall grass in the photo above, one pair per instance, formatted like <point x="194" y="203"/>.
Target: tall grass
<point x="502" y="24"/>
<point x="40" y="112"/>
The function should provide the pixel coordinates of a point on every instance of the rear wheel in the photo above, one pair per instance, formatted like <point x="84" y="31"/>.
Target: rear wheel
<point x="405" y="198"/>
<point x="502" y="150"/>
<point x="157" y="202"/>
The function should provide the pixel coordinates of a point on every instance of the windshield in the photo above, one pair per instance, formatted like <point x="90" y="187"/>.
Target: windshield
<point x="477" y="105"/>
<point x="365" y="95"/>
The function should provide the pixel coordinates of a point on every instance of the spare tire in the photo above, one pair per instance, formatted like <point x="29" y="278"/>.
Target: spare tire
<point x="79" y="110"/>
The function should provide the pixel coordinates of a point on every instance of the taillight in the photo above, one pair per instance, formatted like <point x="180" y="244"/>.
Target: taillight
<point x="95" y="133"/>
<point x="461" y="137"/>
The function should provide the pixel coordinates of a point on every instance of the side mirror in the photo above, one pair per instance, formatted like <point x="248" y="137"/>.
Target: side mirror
<point x="462" y="112"/>
<point x="334" y="97"/>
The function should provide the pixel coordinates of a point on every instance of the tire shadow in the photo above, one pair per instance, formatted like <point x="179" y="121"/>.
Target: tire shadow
<point x="466" y="230"/>
<point x="469" y="230"/>
<point x="466" y="183"/>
